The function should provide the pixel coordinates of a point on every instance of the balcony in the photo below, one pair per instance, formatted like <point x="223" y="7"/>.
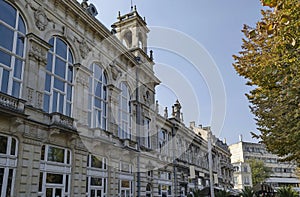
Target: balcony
<point x="60" y="120"/>
<point x="11" y="103"/>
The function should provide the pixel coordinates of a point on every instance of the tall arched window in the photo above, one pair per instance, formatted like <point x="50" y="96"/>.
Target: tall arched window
<point x="97" y="115"/>
<point x="12" y="45"/>
<point x="124" y="116"/>
<point x="59" y="78"/>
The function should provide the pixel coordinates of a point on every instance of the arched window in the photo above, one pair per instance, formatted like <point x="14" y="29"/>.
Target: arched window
<point x="127" y="39"/>
<point x="12" y="45"/>
<point x="97" y="115"/>
<point x="124" y="113"/>
<point x="59" y="78"/>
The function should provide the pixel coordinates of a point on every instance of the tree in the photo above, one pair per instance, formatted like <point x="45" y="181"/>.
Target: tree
<point x="270" y="62"/>
<point x="259" y="171"/>
<point x="286" y="192"/>
<point x="247" y="192"/>
<point x="222" y="193"/>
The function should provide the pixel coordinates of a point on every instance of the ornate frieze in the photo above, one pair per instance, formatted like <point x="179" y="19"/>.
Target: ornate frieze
<point x="38" y="48"/>
<point x="40" y="17"/>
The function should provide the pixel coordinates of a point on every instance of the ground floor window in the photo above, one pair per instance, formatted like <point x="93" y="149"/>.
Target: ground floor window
<point x="8" y="164"/>
<point x="55" y="172"/>
<point x="164" y="190"/>
<point x="96" y="180"/>
<point x="96" y="186"/>
<point x="126" y="188"/>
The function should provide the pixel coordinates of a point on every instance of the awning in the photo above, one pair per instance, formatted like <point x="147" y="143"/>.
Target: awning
<point x="282" y="180"/>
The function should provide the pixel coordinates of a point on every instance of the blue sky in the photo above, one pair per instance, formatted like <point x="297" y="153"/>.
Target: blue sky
<point x="216" y="27"/>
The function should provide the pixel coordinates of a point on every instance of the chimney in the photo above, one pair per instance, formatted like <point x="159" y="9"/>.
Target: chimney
<point x="192" y="124"/>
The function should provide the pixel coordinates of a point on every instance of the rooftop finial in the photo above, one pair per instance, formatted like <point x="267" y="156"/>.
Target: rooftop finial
<point x="134" y="7"/>
<point x="131" y="7"/>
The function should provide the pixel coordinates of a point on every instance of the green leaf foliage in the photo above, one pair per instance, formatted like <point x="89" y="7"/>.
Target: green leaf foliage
<point x="270" y="62"/>
<point x="259" y="171"/>
<point x="248" y="192"/>
<point x="286" y="192"/>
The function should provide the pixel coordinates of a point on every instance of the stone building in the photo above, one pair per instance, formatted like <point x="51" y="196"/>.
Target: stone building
<point x="283" y="173"/>
<point x="78" y="115"/>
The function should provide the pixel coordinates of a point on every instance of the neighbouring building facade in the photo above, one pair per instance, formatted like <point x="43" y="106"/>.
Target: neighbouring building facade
<point x="283" y="173"/>
<point x="78" y="115"/>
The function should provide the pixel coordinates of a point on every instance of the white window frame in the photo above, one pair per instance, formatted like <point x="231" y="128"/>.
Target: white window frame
<point x="12" y="67"/>
<point x="93" y="110"/>
<point x="53" y="167"/>
<point x="125" y="189"/>
<point x="124" y="115"/>
<point x="65" y="81"/>
<point x="95" y="172"/>
<point x="8" y="162"/>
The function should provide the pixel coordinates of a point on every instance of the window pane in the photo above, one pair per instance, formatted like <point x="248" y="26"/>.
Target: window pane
<point x="61" y="103"/>
<point x="59" y="84"/>
<point x="60" y="68"/>
<point x="21" y="25"/>
<point x="54" y="178"/>
<point x="96" y="181"/>
<point x="49" y="62"/>
<point x="13" y="147"/>
<point x="3" y="144"/>
<point x="7" y="14"/>
<point x="97" y="72"/>
<point x="98" y="87"/>
<point x="5" y="58"/>
<point x="9" y="182"/>
<point x="7" y="37"/>
<point x="58" y="192"/>
<point x="54" y="102"/>
<point x="56" y="154"/>
<point x="96" y="162"/>
<point x="46" y="102"/>
<point x="1" y="177"/>
<point x="48" y="83"/>
<point x="61" y="48"/>
<point x="67" y="184"/>
<point x="49" y="192"/>
<point x="68" y="109"/>
<point x="70" y="57"/>
<point x="69" y="92"/>
<point x="16" y="89"/>
<point x="18" y="68"/>
<point x="98" y="103"/>
<point x="20" y="45"/>
<point x="51" y="42"/>
<point x="70" y="73"/>
<point x="5" y="77"/>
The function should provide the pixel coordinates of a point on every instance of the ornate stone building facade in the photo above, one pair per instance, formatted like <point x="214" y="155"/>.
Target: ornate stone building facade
<point x="78" y="115"/>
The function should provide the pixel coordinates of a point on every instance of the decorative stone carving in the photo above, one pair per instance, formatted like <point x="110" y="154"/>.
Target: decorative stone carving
<point x="41" y="20"/>
<point x="30" y="95"/>
<point x="84" y="48"/>
<point x="115" y="72"/>
<point x="38" y="53"/>
<point x="39" y="100"/>
<point x="82" y="80"/>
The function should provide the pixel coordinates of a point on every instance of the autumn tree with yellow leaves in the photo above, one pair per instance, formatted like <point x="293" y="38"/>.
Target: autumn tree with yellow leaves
<point x="269" y="61"/>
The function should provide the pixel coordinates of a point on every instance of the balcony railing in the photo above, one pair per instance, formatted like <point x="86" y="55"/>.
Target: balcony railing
<point x="12" y="103"/>
<point x="61" y="120"/>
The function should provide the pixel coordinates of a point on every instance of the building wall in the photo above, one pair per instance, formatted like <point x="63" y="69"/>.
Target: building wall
<point x="64" y="150"/>
<point x="283" y="173"/>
